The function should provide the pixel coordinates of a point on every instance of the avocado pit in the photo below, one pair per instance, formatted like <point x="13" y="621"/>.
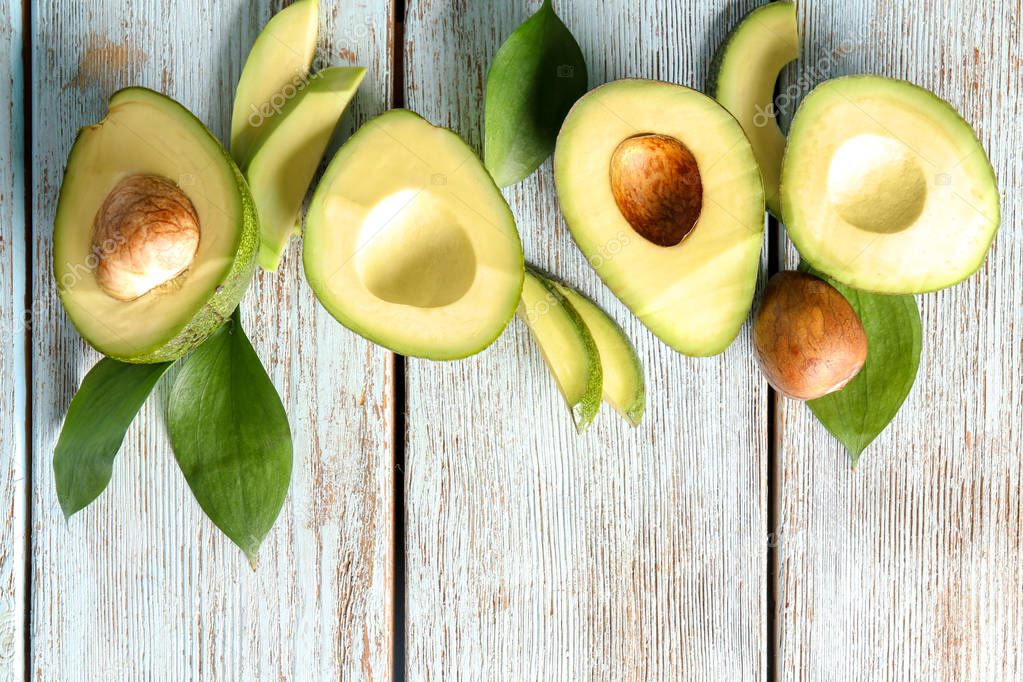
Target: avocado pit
<point x="656" y="184"/>
<point x="145" y="234"/>
<point x="809" y="341"/>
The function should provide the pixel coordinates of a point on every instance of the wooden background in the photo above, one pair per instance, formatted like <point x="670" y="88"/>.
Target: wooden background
<point x="477" y="536"/>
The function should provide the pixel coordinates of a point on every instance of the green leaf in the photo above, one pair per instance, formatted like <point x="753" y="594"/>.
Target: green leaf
<point x="858" y="413"/>
<point x="231" y="437"/>
<point x="101" y="411"/>
<point x="536" y="77"/>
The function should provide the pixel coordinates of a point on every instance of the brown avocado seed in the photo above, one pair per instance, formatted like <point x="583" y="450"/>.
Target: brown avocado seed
<point x="145" y="234"/>
<point x="656" y="183"/>
<point x="808" y="340"/>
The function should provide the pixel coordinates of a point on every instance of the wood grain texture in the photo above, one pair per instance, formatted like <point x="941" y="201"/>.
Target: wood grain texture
<point x="536" y="553"/>
<point x="141" y="585"/>
<point x="13" y="462"/>
<point x="910" y="567"/>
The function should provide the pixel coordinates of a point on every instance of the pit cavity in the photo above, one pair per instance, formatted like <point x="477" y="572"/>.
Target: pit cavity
<point x="876" y="184"/>
<point x="412" y="250"/>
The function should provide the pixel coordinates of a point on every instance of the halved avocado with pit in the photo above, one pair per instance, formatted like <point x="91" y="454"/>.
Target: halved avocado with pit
<point x="662" y="193"/>
<point x="284" y="162"/>
<point x="156" y="234"/>
<point x="742" y="79"/>
<point x="409" y="243"/>
<point x="886" y="188"/>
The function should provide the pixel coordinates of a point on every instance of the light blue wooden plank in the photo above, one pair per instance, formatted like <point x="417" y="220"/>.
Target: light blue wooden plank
<point x="141" y="585"/>
<point x="13" y="326"/>
<point x="537" y="553"/>
<point x="910" y="567"/>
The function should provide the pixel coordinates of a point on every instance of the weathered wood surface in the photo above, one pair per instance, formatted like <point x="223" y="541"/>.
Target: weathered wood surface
<point x="532" y="553"/>
<point x="536" y="553"/>
<point x="141" y="585"/>
<point x="13" y="462"/>
<point x="910" y="567"/>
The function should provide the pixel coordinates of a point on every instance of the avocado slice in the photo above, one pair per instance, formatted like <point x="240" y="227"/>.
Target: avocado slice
<point x="568" y="348"/>
<point x="284" y="162"/>
<point x="155" y="236"/>
<point x="409" y="243"/>
<point x="624" y="386"/>
<point x="886" y="188"/>
<point x="675" y="223"/>
<point x="742" y="79"/>
<point x="274" y="72"/>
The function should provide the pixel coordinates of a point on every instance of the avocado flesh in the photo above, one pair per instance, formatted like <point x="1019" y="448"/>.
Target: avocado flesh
<point x="624" y="386"/>
<point x="567" y="347"/>
<point x="695" y="295"/>
<point x="743" y="77"/>
<point x="409" y="243"/>
<point x="886" y="188"/>
<point x="284" y="163"/>
<point x="148" y="133"/>
<point x="277" y="66"/>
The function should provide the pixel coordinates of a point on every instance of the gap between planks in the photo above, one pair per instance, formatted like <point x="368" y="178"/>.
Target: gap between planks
<point x="27" y="445"/>
<point x="400" y="402"/>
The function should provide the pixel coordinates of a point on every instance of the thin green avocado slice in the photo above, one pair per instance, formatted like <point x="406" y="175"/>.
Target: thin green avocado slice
<point x="743" y="75"/>
<point x="277" y="67"/>
<point x="147" y="184"/>
<point x="566" y="344"/>
<point x="631" y="156"/>
<point x="624" y="385"/>
<point x="885" y="188"/>
<point x="284" y="162"/>
<point x="409" y="243"/>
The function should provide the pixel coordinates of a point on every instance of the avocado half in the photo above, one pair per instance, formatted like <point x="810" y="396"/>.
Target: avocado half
<point x="886" y="188"/>
<point x="155" y="236"/>
<point x="742" y="79"/>
<point x="662" y="193"/>
<point x="409" y="243"/>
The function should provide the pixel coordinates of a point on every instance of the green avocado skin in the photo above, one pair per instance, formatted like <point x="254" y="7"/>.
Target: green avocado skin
<point x="722" y="51"/>
<point x="226" y="296"/>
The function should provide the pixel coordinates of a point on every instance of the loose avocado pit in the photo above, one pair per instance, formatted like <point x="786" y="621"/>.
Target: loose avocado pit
<point x="808" y="340"/>
<point x="145" y="234"/>
<point x="656" y="184"/>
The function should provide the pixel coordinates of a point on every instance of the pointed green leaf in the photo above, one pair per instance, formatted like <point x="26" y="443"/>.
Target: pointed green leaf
<point x="101" y="411"/>
<point x="536" y="77"/>
<point x="231" y="437"/>
<point x="858" y="413"/>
